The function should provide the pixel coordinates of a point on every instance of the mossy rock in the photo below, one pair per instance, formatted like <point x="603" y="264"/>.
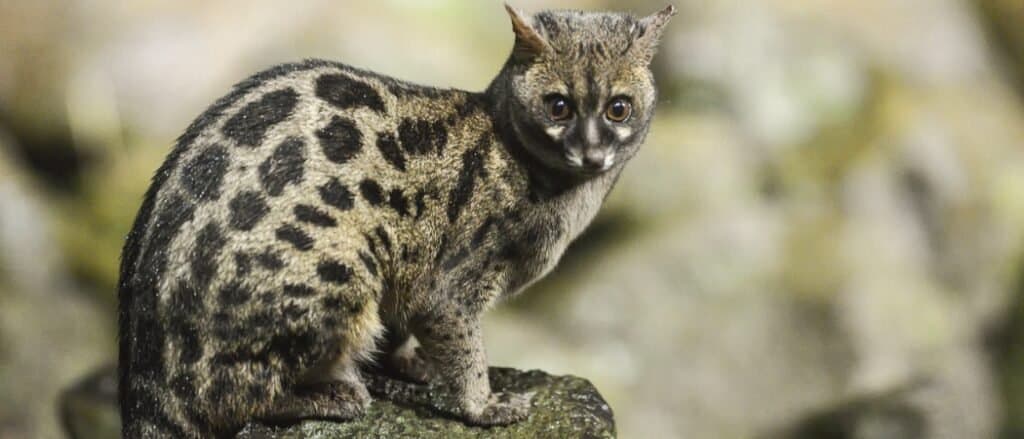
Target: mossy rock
<point x="563" y="407"/>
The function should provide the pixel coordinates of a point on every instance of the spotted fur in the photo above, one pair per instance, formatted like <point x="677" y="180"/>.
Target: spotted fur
<point x="318" y="208"/>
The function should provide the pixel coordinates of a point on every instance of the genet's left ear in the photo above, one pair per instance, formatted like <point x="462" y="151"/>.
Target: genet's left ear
<point x="529" y="43"/>
<point x="647" y="33"/>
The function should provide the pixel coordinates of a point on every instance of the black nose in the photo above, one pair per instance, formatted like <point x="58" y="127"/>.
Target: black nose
<point x="593" y="162"/>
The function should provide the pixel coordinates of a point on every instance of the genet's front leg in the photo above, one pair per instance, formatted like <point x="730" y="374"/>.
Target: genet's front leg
<point x="453" y="344"/>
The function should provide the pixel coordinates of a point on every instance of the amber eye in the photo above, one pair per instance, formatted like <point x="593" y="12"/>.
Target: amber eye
<point x="618" y="110"/>
<point x="558" y="107"/>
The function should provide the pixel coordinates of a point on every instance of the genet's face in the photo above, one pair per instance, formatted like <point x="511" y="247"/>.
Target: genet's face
<point x="585" y="105"/>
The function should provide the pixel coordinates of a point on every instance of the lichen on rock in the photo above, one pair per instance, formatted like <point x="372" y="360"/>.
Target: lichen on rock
<point x="563" y="407"/>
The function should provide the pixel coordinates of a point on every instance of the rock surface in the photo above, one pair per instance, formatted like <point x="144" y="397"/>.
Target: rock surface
<point x="563" y="407"/>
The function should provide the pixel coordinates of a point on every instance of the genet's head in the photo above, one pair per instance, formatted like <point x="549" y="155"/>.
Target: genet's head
<point x="579" y="87"/>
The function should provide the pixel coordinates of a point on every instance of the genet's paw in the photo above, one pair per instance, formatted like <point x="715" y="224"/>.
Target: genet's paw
<point x="503" y="409"/>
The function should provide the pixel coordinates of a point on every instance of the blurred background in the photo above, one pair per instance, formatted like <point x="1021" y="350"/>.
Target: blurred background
<point x="823" y="236"/>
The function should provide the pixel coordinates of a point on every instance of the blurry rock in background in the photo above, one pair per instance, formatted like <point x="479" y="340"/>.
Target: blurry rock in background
<point x="823" y="233"/>
<point x="51" y="333"/>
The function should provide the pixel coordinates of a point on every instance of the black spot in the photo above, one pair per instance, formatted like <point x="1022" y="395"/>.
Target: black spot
<point x="421" y="204"/>
<point x="336" y="304"/>
<point x="255" y="391"/>
<point x="251" y="123"/>
<point x="340" y="139"/>
<point x="270" y="260"/>
<point x="410" y="255"/>
<point x="295" y="236"/>
<point x="334" y="272"/>
<point x="401" y="89"/>
<point x="234" y="294"/>
<point x="371" y="244"/>
<point x="186" y="300"/>
<point x="472" y="166"/>
<point x="421" y="136"/>
<point x="267" y="298"/>
<point x="294" y="312"/>
<point x="388" y="147"/>
<point x="209" y="242"/>
<point x="481" y="232"/>
<point x="472" y="104"/>
<point x="183" y="386"/>
<point x="368" y="262"/>
<point x="247" y="209"/>
<point x="442" y="248"/>
<point x="298" y="290"/>
<point x="262" y="319"/>
<point x="284" y="166"/>
<point x="439" y="136"/>
<point x="191" y="347"/>
<point x="243" y="264"/>
<point x="202" y="177"/>
<point x="455" y="259"/>
<point x="293" y="348"/>
<point x="372" y="192"/>
<point x="511" y="251"/>
<point x="344" y="93"/>
<point x="219" y="390"/>
<point x="336" y="194"/>
<point x="398" y="202"/>
<point x="385" y="239"/>
<point x="310" y="214"/>
<point x="333" y="304"/>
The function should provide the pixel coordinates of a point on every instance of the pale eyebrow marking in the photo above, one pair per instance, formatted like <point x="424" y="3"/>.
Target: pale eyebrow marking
<point x="555" y="131"/>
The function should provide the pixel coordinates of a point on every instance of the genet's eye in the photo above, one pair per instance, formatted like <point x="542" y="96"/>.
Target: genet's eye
<point x="558" y="107"/>
<point x="618" y="110"/>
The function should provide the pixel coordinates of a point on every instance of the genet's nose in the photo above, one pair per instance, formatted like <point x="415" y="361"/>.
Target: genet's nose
<point x="593" y="160"/>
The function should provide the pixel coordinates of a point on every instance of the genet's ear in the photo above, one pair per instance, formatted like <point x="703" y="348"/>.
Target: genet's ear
<point x="529" y="43"/>
<point x="647" y="33"/>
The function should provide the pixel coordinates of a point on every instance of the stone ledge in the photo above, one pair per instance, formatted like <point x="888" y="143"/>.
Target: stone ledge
<point x="563" y="407"/>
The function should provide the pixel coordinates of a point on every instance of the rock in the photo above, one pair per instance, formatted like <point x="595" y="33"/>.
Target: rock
<point x="49" y="333"/>
<point x="563" y="407"/>
<point x="89" y="408"/>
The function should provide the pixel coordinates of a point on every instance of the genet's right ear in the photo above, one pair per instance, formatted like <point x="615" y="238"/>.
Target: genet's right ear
<point x="529" y="43"/>
<point x="647" y="35"/>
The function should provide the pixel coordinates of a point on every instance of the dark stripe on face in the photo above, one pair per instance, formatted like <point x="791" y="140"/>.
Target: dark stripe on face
<point x="593" y="93"/>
